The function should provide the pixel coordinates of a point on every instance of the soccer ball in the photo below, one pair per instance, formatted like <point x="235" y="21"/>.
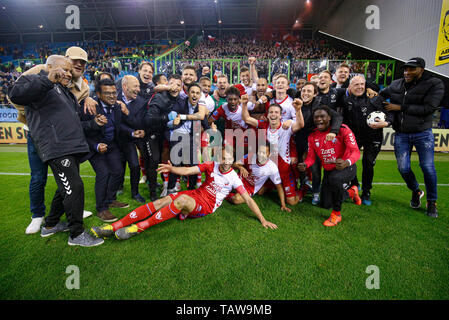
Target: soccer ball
<point x="375" y="115"/>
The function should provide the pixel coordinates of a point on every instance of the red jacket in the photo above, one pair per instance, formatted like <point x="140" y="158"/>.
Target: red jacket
<point x="344" y="146"/>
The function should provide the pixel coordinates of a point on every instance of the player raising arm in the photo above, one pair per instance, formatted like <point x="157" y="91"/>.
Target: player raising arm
<point x="279" y="138"/>
<point x="220" y="180"/>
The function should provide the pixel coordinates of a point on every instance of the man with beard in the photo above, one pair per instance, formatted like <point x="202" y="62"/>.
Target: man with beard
<point x="219" y="97"/>
<point x="185" y="136"/>
<point x="329" y="95"/>
<point x="262" y="102"/>
<point x="413" y="100"/>
<point x="220" y="180"/>
<point x="159" y="113"/>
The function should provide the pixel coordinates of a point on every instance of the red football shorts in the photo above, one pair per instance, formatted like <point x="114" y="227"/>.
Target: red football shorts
<point x="202" y="206"/>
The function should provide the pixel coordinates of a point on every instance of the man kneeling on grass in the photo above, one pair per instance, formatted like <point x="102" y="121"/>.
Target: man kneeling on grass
<point x="338" y="158"/>
<point x="220" y="180"/>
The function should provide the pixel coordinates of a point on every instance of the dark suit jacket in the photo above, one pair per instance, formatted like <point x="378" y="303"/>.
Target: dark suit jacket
<point x="95" y="137"/>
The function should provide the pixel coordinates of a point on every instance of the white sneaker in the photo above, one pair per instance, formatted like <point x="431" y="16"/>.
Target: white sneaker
<point x="178" y="186"/>
<point x="86" y="214"/>
<point x="35" y="225"/>
<point x="143" y="179"/>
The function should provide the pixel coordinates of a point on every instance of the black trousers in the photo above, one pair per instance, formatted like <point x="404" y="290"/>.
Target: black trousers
<point x="69" y="197"/>
<point x="371" y="148"/>
<point x="129" y="155"/>
<point x="302" y="148"/>
<point x="184" y="156"/>
<point x="335" y="186"/>
<point x="108" y="174"/>
<point x="150" y="148"/>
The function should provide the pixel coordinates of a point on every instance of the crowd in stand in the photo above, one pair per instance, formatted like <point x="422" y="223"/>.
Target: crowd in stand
<point x="245" y="46"/>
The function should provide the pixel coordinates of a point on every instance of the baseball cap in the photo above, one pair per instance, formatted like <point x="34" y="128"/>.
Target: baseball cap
<point x="415" y="62"/>
<point x="76" y="53"/>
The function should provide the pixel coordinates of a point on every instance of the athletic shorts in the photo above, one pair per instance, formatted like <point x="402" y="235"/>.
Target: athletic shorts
<point x="202" y="207"/>
<point x="204" y="140"/>
<point x="288" y="178"/>
<point x="293" y="149"/>
<point x="248" y="187"/>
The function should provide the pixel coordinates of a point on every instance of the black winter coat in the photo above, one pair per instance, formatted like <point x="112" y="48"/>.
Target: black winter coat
<point x="418" y="101"/>
<point x="52" y="114"/>
<point x="356" y="110"/>
<point x="156" y="117"/>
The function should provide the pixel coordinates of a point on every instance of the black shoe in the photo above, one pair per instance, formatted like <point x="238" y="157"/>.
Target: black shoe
<point x="139" y="198"/>
<point x="153" y="196"/>
<point x="432" y="209"/>
<point x="415" y="203"/>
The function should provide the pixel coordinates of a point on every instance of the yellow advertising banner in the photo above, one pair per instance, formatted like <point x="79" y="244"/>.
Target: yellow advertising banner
<point x="442" y="54"/>
<point x="12" y="132"/>
<point x="441" y="137"/>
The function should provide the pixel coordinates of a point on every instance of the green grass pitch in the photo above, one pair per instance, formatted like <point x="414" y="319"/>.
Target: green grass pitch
<point x="228" y="255"/>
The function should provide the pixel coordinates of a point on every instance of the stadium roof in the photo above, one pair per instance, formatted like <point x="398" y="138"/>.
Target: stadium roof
<point x="27" y="17"/>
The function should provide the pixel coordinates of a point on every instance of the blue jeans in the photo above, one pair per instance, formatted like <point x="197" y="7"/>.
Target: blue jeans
<point x="39" y="171"/>
<point x="424" y="144"/>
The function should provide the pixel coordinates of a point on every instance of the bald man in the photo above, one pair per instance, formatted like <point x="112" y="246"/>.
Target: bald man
<point x="39" y="170"/>
<point x="52" y="115"/>
<point x="356" y="108"/>
<point x="137" y="106"/>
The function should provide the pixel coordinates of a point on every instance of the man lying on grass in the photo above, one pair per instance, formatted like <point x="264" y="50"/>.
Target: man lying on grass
<point x="220" y="180"/>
